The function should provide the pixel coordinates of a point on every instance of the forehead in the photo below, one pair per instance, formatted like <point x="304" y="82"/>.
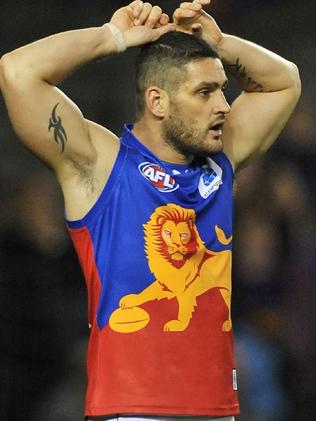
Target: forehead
<point x="206" y="70"/>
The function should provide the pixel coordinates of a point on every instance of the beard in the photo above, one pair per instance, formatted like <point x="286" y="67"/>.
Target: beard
<point x="185" y="136"/>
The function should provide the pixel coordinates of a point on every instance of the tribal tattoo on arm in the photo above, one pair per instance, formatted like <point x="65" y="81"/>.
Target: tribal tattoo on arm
<point x="55" y="123"/>
<point x="239" y="70"/>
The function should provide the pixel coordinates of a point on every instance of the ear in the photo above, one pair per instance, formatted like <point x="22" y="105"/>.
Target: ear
<point x="157" y="101"/>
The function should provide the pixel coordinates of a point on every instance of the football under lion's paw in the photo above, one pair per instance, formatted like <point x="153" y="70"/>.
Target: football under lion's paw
<point x="130" y="301"/>
<point x="227" y="326"/>
<point x="128" y="320"/>
<point x="175" y="326"/>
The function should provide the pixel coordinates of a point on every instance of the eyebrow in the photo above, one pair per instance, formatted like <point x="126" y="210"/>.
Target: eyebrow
<point x="212" y="86"/>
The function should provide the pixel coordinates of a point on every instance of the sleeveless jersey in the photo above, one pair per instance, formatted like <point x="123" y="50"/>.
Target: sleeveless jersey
<point x="155" y="250"/>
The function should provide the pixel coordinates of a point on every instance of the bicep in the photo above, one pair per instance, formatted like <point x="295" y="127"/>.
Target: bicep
<point x="254" y="123"/>
<point x="47" y="122"/>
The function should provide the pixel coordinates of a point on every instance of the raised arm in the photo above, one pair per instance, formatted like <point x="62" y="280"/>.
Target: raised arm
<point x="47" y="121"/>
<point x="270" y="85"/>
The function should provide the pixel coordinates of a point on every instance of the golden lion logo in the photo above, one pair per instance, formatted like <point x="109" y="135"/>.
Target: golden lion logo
<point x="183" y="267"/>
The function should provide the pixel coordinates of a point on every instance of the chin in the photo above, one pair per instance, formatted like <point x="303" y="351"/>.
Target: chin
<point x="219" y="146"/>
<point x="215" y="146"/>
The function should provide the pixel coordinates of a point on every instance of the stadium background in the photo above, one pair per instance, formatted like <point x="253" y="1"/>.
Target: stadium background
<point x="43" y="328"/>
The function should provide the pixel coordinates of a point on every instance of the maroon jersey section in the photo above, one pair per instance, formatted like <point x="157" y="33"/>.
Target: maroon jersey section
<point x="123" y="378"/>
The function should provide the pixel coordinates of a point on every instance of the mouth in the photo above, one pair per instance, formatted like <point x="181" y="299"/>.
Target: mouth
<point x="217" y="129"/>
<point x="177" y="256"/>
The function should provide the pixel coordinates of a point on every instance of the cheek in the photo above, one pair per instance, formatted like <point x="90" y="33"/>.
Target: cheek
<point x="185" y="240"/>
<point x="183" y="107"/>
<point x="198" y="117"/>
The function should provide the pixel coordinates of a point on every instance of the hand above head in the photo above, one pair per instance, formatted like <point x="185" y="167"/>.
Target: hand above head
<point x="191" y="18"/>
<point x="141" y="23"/>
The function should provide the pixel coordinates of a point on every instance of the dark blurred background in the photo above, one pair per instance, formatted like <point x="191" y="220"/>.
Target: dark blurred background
<point x="43" y="323"/>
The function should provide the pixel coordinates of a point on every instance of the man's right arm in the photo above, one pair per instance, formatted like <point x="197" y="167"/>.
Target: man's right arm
<point x="48" y="122"/>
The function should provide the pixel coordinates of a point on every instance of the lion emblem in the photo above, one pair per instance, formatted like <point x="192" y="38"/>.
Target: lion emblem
<point x="183" y="267"/>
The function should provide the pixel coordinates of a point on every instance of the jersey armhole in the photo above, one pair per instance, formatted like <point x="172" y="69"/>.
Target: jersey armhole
<point x="230" y="164"/>
<point x="106" y="193"/>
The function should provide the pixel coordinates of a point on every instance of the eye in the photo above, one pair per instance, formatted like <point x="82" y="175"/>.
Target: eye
<point x="205" y="93"/>
<point x="224" y="87"/>
<point x="167" y="233"/>
<point x="184" y="234"/>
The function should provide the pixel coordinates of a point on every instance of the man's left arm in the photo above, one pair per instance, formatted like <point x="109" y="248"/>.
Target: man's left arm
<point x="271" y="88"/>
<point x="270" y="84"/>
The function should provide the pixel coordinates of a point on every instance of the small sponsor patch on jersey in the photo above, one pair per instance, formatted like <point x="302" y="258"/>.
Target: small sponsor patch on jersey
<point x="234" y="379"/>
<point x="158" y="177"/>
<point x="211" y="178"/>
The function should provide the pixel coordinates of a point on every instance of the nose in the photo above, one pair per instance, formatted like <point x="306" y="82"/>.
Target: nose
<point x="221" y="106"/>
<point x="175" y="239"/>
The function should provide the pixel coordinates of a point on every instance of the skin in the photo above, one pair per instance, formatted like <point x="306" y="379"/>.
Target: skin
<point x="198" y="105"/>
<point x="82" y="153"/>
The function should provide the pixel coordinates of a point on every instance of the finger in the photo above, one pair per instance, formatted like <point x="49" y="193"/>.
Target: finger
<point x="202" y="2"/>
<point x="164" y="20"/>
<point x="187" y="10"/>
<point x="180" y="14"/>
<point x="154" y="17"/>
<point x="163" y="30"/>
<point x="146" y="9"/>
<point x="190" y="6"/>
<point x="136" y="7"/>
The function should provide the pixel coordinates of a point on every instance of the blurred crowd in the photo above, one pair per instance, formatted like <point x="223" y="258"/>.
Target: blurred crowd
<point x="43" y="323"/>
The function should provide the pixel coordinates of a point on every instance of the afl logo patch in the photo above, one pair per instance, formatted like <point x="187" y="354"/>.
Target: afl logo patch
<point x="158" y="177"/>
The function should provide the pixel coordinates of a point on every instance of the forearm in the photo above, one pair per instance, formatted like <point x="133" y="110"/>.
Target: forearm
<point x="255" y="68"/>
<point x="53" y="58"/>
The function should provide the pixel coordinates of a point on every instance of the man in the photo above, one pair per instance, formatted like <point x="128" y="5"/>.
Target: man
<point x="151" y="215"/>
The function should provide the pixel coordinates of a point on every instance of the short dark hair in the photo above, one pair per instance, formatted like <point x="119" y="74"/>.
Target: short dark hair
<point x="162" y="63"/>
